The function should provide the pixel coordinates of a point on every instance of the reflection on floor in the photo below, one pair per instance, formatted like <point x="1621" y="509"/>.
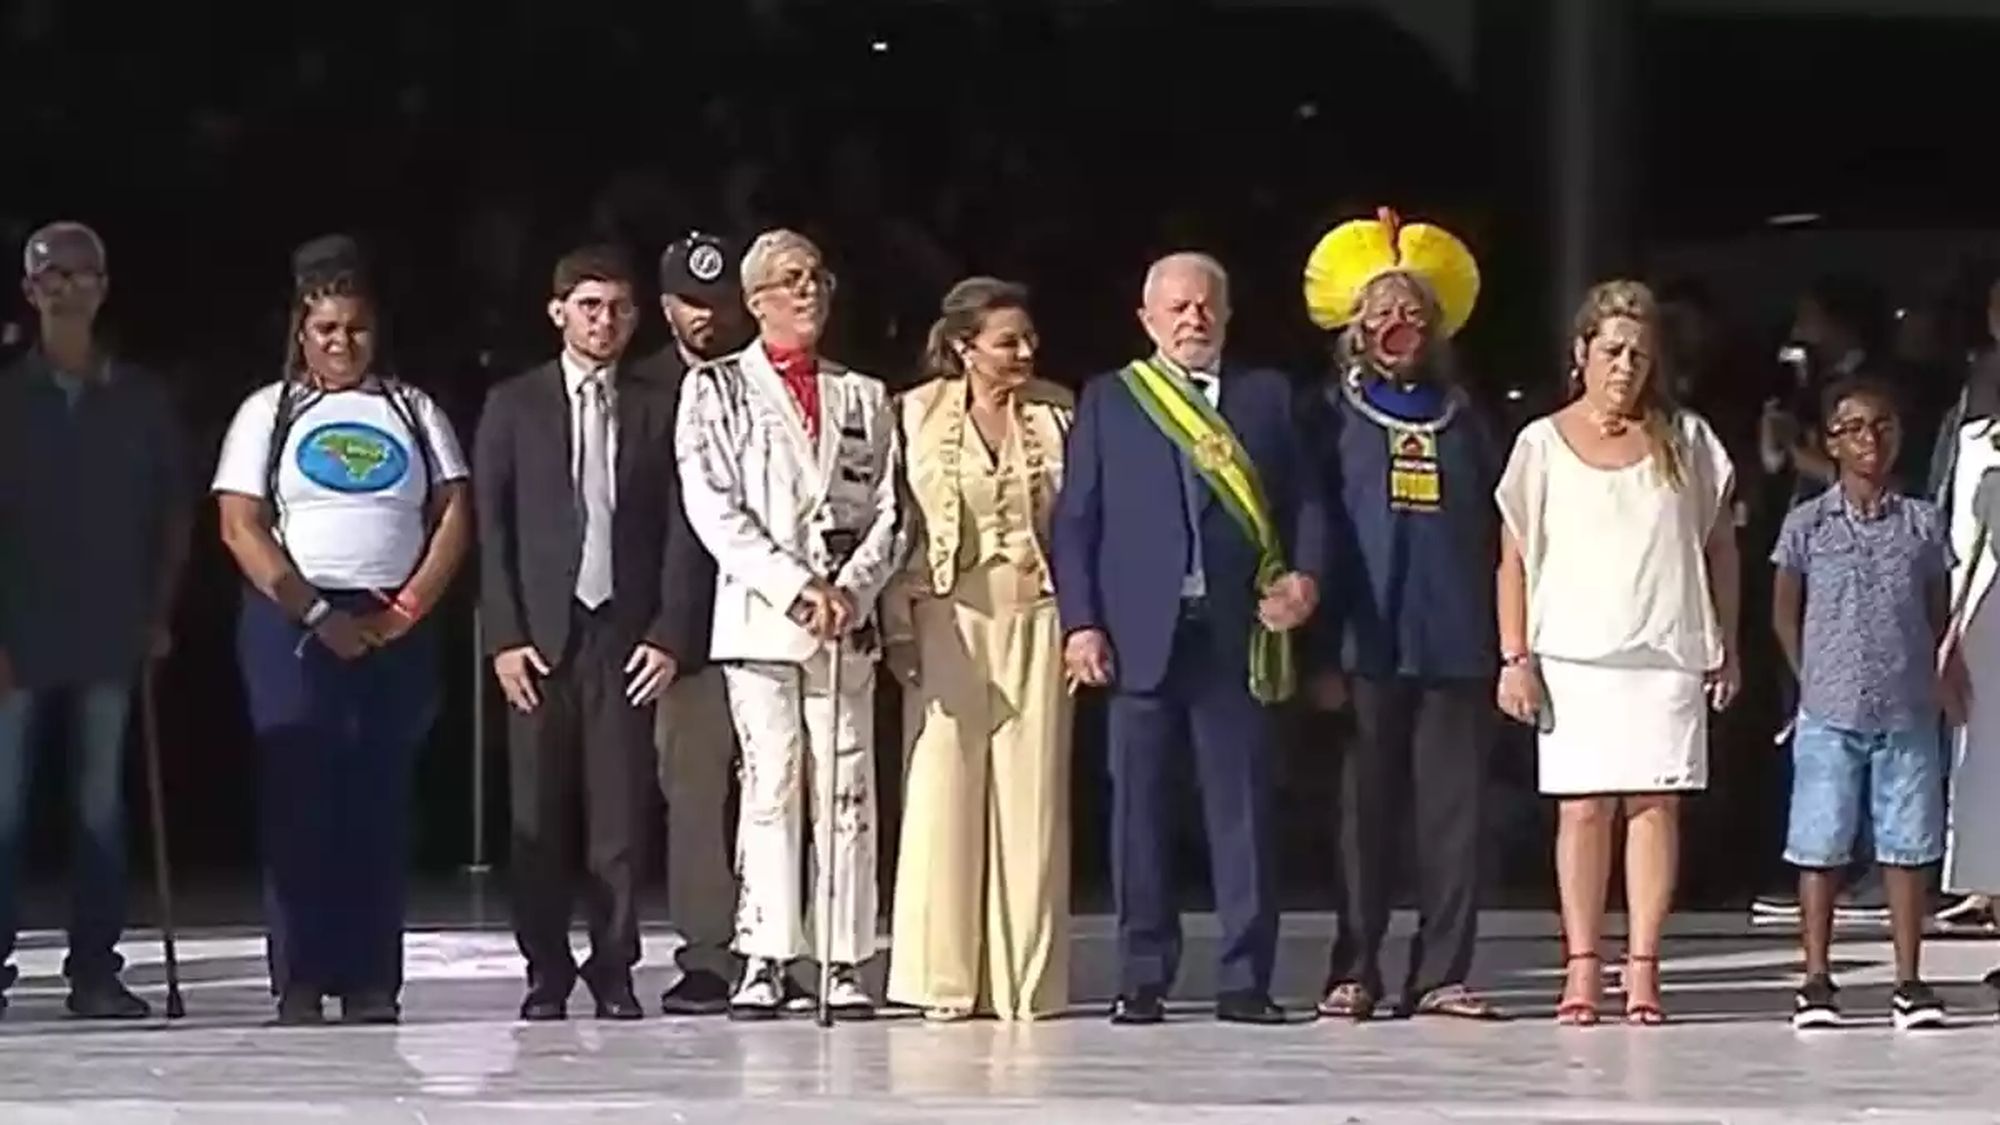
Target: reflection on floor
<point x="460" y="1058"/>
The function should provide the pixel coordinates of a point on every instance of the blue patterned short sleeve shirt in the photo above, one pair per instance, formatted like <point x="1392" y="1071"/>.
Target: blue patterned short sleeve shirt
<point x="1868" y="649"/>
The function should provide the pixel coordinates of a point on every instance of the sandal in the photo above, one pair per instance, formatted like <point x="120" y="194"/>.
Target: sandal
<point x="1640" y="1013"/>
<point x="1572" y="1011"/>
<point x="1456" y="1001"/>
<point x="1348" y="1000"/>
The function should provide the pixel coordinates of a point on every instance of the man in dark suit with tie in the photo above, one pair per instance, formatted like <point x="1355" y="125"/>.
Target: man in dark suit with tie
<point x="1187" y="540"/>
<point x="586" y="563"/>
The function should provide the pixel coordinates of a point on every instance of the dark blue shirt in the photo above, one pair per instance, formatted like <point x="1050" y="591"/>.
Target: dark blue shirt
<point x="1868" y="649"/>
<point x="89" y="478"/>
<point x="1416" y="536"/>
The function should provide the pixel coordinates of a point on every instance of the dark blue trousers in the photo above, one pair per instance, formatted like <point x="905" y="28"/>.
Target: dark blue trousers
<point x="337" y="742"/>
<point x="1204" y="705"/>
<point x="94" y="751"/>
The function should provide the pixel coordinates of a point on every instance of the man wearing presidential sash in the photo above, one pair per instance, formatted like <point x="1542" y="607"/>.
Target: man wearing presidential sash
<point x="1408" y="636"/>
<point x="1187" y="541"/>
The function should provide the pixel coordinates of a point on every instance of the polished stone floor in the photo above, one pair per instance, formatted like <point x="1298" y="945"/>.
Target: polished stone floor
<point x="460" y="1059"/>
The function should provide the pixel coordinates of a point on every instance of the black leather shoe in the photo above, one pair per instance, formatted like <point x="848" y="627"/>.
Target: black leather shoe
<point x="299" y="1006"/>
<point x="617" y="1001"/>
<point x="545" y="1005"/>
<point x="698" y="993"/>
<point x="107" y="999"/>
<point x="373" y="1006"/>
<point x="1144" y="1007"/>
<point x="1247" y="1007"/>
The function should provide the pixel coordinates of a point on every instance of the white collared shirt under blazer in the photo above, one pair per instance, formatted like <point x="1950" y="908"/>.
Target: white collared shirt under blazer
<point x="761" y="495"/>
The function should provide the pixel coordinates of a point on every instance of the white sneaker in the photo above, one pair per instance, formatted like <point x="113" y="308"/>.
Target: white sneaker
<point x="760" y="993"/>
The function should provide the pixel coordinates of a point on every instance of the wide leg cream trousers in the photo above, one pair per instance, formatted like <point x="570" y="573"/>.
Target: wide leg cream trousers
<point x="982" y="882"/>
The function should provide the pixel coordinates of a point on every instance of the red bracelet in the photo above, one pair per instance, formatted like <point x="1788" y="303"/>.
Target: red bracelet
<point x="406" y="605"/>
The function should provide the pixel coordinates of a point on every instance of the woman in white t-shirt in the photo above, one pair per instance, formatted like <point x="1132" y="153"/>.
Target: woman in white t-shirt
<point x="343" y="498"/>
<point x="1618" y="598"/>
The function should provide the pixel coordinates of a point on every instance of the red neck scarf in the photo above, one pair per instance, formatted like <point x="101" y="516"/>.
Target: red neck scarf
<point x="799" y="368"/>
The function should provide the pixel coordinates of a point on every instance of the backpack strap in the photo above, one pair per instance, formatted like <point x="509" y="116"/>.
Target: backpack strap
<point x="294" y="399"/>
<point x="402" y="402"/>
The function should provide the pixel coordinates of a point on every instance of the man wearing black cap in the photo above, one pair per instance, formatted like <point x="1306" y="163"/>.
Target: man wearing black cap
<point x="702" y="300"/>
<point x="93" y="528"/>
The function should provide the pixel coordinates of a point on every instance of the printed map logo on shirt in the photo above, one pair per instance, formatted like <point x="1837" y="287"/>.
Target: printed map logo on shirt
<point x="352" y="457"/>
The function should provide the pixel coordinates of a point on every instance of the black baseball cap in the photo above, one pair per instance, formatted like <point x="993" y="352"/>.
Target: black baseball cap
<point x="702" y="267"/>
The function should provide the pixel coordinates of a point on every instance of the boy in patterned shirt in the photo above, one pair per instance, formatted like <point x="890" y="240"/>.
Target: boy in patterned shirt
<point x="1859" y="605"/>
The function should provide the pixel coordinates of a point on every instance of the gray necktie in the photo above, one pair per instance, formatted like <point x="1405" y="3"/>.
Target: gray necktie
<point x="593" y="577"/>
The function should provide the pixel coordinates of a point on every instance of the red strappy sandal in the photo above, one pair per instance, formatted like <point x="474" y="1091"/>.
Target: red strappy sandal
<point x="1572" y="1011"/>
<point x="1639" y="1013"/>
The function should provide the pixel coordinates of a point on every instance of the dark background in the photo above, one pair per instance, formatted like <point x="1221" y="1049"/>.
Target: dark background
<point x="1060" y="144"/>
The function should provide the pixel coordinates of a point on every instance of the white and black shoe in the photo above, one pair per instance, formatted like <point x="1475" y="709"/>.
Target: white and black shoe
<point x="1816" y="1003"/>
<point x="846" y="997"/>
<point x="1914" y="1006"/>
<point x="761" y="993"/>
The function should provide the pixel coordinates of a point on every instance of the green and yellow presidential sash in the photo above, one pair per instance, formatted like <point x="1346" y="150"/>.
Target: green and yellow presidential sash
<point x="1199" y="431"/>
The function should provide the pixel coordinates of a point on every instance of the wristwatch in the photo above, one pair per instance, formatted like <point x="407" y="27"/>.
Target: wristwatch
<point x="1515" y="659"/>
<point x="317" y="612"/>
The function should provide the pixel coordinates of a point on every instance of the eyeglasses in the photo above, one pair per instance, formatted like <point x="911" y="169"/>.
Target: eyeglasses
<point x="1855" y="427"/>
<point x="798" y="282"/>
<point x="594" y="307"/>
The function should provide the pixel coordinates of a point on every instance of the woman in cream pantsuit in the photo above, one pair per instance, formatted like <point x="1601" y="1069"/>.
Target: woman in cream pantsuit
<point x="982" y="887"/>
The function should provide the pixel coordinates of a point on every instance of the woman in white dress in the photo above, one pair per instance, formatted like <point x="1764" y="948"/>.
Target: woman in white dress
<point x="1618" y="594"/>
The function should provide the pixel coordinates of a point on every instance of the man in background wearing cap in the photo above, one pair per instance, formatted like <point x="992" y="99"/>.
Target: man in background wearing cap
<point x="94" y="512"/>
<point x="701" y="298"/>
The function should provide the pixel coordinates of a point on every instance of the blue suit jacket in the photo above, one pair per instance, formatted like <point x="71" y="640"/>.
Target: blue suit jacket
<point x="1119" y="542"/>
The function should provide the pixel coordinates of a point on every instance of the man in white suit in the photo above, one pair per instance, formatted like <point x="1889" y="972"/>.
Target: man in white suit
<point x="788" y="463"/>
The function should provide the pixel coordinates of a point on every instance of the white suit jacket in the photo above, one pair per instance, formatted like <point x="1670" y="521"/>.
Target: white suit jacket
<point x="762" y="495"/>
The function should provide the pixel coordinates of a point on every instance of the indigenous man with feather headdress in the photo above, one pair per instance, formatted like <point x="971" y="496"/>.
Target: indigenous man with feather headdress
<point x="1408" y="634"/>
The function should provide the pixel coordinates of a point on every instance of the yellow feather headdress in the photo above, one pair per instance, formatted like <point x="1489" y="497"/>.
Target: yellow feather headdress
<point x="1355" y="253"/>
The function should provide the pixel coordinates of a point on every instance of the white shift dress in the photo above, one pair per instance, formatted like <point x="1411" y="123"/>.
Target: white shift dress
<point x="1620" y="616"/>
<point x="1972" y="838"/>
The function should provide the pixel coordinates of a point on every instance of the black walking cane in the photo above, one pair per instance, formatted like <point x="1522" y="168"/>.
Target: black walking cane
<point x="149" y="729"/>
<point x="840" y="544"/>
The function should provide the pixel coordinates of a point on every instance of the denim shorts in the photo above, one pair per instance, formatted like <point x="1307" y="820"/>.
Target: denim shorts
<point x="1898" y="774"/>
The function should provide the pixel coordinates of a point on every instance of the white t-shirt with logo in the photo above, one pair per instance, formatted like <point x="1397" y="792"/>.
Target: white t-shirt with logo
<point x="351" y="489"/>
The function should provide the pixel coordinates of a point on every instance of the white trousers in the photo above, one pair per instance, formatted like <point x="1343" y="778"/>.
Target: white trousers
<point x="783" y="715"/>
